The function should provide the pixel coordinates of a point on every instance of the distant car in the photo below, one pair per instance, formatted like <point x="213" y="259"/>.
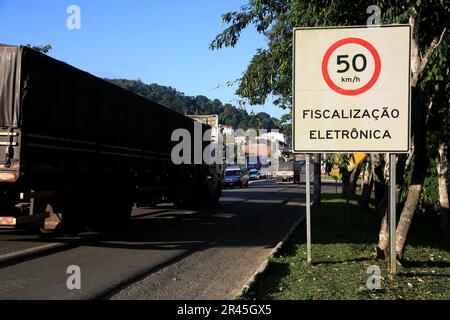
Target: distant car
<point x="253" y="174"/>
<point x="235" y="177"/>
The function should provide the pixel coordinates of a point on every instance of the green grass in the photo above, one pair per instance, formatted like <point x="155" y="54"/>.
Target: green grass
<point x="343" y="240"/>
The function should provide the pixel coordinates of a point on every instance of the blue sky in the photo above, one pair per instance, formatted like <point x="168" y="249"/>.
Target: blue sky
<point x="157" y="41"/>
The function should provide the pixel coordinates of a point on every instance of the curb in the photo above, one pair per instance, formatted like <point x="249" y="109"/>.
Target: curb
<point x="265" y="263"/>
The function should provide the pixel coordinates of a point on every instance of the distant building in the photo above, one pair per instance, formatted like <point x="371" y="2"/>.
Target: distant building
<point x="257" y="151"/>
<point x="227" y="130"/>
<point x="274" y="136"/>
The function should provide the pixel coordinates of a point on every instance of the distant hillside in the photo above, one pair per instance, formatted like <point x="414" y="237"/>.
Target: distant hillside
<point x="171" y="98"/>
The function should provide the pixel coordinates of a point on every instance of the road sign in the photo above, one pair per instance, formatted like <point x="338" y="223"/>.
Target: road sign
<point x="352" y="89"/>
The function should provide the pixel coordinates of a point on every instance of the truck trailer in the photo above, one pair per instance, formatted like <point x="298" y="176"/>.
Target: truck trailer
<point x="81" y="148"/>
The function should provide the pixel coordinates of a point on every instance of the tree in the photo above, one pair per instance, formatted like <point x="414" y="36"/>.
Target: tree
<point x="435" y="17"/>
<point x="438" y="132"/>
<point x="269" y="72"/>
<point x="43" y="49"/>
<point x="367" y="184"/>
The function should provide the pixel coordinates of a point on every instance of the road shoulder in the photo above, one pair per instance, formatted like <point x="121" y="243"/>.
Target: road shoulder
<point x="221" y="269"/>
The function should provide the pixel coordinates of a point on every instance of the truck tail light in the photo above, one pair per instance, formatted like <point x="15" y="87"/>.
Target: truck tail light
<point x="8" y="176"/>
<point x="15" y="166"/>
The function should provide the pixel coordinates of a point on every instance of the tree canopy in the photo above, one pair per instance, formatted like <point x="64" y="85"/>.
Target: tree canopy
<point x="44" y="49"/>
<point x="175" y="100"/>
<point x="270" y="70"/>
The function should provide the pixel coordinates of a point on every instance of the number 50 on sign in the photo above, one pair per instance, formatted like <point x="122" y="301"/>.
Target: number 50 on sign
<point x="351" y="89"/>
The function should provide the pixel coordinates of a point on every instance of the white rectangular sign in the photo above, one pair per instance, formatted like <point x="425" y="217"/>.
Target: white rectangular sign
<point x="352" y="89"/>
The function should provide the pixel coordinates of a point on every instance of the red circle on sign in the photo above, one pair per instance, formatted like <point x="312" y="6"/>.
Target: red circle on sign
<point x="369" y="84"/>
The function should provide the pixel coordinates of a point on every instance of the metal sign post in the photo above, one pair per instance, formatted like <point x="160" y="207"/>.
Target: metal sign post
<point x="308" y="209"/>
<point x="351" y="93"/>
<point x="392" y="214"/>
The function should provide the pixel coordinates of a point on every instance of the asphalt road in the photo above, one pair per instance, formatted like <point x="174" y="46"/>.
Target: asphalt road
<point x="162" y="253"/>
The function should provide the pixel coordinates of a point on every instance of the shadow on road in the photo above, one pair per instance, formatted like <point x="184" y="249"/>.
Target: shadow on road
<point x="262" y="209"/>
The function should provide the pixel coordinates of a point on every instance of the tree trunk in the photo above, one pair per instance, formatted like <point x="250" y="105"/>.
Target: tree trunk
<point x="366" y="188"/>
<point x="419" y="63"/>
<point x="419" y="167"/>
<point x="354" y="176"/>
<point x="345" y="182"/>
<point x="317" y="179"/>
<point x="382" y="209"/>
<point x="383" y="238"/>
<point x="414" y="190"/>
<point x="442" y="170"/>
<point x="404" y="224"/>
<point x="378" y="179"/>
<point x="401" y="169"/>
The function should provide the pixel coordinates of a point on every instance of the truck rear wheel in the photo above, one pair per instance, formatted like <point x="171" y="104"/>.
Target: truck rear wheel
<point x="103" y="205"/>
<point x="216" y="193"/>
<point x="112" y="207"/>
<point x="74" y="204"/>
<point x="71" y="223"/>
<point x="189" y="196"/>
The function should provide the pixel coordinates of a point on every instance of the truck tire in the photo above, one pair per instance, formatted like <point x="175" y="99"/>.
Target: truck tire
<point x="71" y="224"/>
<point x="112" y="210"/>
<point x="190" y="197"/>
<point x="75" y="201"/>
<point x="181" y="196"/>
<point x="216" y="193"/>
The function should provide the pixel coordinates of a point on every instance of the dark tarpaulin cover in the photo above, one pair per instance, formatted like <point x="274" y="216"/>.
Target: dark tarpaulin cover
<point x="48" y="97"/>
<point x="45" y="97"/>
<point x="10" y="61"/>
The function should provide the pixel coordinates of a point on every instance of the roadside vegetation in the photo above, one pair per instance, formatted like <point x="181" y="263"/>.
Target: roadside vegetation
<point x="344" y="237"/>
<point x="228" y="114"/>
<point x="422" y="174"/>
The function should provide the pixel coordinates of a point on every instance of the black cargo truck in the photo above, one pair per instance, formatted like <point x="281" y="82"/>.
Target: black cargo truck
<point x="86" y="149"/>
